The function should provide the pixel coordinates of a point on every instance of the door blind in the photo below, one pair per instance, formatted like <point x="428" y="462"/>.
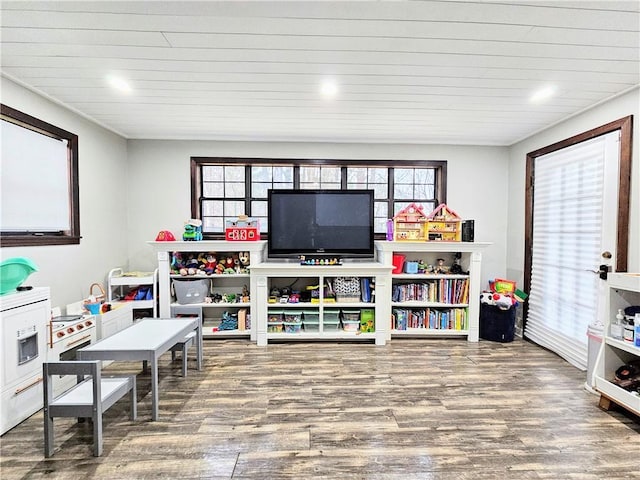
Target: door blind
<point x="567" y="226"/>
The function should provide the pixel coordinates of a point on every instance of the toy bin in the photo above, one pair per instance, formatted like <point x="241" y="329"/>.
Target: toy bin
<point x="191" y="291"/>
<point x="331" y="320"/>
<point x="351" y="325"/>
<point x="311" y="325"/>
<point x="311" y="320"/>
<point x="274" y="321"/>
<point x="351" y="315"/>
<point x="293" y="316"/>
<point x="292" y="327"/>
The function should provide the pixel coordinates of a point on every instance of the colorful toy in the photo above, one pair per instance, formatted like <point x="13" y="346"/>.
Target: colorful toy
<point x="244" y="259"/>
<point x="165" y="236"/>
<point x="192" y="230"/>
<point x="503" y="302"/>
<point x="242" y="229"/>
<point x="210" y="264"/>
<point x="409" y="225"/>
<point x="443" y="224"/>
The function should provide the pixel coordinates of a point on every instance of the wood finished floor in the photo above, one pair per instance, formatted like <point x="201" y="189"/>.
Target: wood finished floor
<point x="413" y="409"/>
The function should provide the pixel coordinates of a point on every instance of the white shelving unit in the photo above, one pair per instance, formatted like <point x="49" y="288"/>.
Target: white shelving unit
<point x="221" y="283"/>
<point x="266" y="276"/>
<point x="429" y="253"/>
<point x="624" y="291"/>
<point x="119" y="284"/>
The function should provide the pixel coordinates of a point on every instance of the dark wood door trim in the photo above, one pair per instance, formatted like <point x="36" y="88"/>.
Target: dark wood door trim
<point x="625" y="125"/>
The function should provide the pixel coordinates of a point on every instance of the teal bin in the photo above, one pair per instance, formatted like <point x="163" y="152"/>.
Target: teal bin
<point x="13" y="273"/>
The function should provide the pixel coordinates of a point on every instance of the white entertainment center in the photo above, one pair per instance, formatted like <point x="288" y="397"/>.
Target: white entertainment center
<point x="317" y="317"/>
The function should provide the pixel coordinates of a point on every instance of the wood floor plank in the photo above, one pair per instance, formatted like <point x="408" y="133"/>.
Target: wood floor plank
<point x="441" y="409"/>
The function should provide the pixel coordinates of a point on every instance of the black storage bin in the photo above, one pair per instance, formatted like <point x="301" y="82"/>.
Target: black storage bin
<point x="496" y="324"/>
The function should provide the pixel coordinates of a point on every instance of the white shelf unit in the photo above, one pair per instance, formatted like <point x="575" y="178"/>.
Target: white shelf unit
<point x="429" y="252"/>
<point x="221" y="283"/>
<point x="119" y="284"/>
<point x="624" y="291"/>
<point x="267" y="275"/>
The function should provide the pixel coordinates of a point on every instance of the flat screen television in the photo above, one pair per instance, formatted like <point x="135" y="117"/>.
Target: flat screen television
<point x="320" y="222"/>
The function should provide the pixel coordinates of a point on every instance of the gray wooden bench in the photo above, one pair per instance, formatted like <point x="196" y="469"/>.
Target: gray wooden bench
<point x="89" y="398"/>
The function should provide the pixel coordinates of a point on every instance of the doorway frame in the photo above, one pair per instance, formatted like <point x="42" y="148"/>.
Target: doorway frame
<point x="625" y="125"/>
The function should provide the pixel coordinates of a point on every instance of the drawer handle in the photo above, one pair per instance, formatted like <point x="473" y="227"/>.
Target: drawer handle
<point x="32" y="384"/>
<point x="78" y="340"/>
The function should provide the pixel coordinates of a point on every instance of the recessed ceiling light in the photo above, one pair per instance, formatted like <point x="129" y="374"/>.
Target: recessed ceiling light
<point x="329" y="89"/>
<point x="120" y="84"/>
<point x="543" y="94"/>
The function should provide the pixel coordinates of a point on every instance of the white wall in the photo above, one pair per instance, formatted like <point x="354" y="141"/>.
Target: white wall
<point x="159" y="185"/>
<point x="619" y="107"/>
<point x="70" y="269"/>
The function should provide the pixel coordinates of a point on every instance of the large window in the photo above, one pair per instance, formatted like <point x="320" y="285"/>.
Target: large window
<point x="223" y="188"/>
<point x="39" y="182"/>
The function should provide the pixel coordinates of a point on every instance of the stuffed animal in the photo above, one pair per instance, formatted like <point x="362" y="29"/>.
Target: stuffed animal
<point x="503" y="302"/>
<point x="210" y="264"/>
<point x="243" y="258"/>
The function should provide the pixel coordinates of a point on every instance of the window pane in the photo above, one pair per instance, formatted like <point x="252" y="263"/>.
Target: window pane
<point x="423" y="175"/>
<point x="403" y="175"/>
<point x="378" y="175"/>
<point x="212" y="224"/>
<point x="425" y="192"/>
<point x="261" y="174"/>
<point x="212" y="173"/>
<point x="402" y="191"/>
<point x="356" y="186"/>
<point x="283" y="185"/>
<point x="331" y="186"/>
<point x="309" y="185"/>
<point x="234" y="174"/>
<point x="330" y="175"/>
<point x="380" y="225"/>
<point x="380" y="209"/>
<point x="233" y="208"/>
<point x="234" y="190"/>
<point x="213" y="189"/>
<point x="309" y="174"/>
<point x="212" y="208"/>
<point x="356" y="175"/>
<point x="259" y="209"/>
<point x="259" y="190"/>
<point x="283" y="174"/>
<point x="379" y="191"/>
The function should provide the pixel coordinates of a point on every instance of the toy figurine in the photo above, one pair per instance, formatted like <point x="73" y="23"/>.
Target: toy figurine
<point x="210" y="264"/>
<point x="192" y="230"/>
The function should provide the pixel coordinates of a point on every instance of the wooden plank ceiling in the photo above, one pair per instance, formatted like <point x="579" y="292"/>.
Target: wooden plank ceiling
<point x="452" y="72"/>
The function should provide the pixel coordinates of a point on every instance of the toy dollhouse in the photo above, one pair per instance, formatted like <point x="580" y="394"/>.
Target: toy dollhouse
<point x="443" y="224"/>
<point x="410" y="224"/>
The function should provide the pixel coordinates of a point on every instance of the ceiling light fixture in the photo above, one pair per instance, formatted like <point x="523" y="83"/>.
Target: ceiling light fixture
<point x="120" y="84"/>
<point x="543" y="94"/>
<point x="329" y="89"/>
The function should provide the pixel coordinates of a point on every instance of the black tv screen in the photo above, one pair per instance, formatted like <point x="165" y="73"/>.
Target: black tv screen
<point x="320" y="222"/>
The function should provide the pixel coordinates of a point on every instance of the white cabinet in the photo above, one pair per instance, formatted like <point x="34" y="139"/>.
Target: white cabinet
<point x="140" y="286"/>
<point x="226" y="289"/>
<point x="23" y="347"/>
<point x="321" y="317"/>
<point x="624" y="291"/>
<point x="433" y="304"/>
<point x="118" y="318"/>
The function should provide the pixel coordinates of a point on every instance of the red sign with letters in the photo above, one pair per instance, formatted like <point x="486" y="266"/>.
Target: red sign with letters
<point x="241" y="234"/>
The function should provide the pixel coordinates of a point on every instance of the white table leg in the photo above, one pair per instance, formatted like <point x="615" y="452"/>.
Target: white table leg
<point x="154" y="388"/>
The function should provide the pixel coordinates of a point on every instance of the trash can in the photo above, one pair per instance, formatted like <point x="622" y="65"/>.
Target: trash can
<point x="595" y="332"/>
<point x="496" y="324"/>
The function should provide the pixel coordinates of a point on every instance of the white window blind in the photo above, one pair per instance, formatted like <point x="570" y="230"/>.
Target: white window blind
<point x="567" y="230"/>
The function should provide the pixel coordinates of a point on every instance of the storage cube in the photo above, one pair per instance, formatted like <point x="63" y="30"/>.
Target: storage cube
<point x="191" y="291"/>
<point x="351" y="325"/>
<point x="292" y="327"/>
<point x="274" y="327"/>
<point x="311" y="325"/>
<point x="351" y="315"/>
<point x="293" y="316"/>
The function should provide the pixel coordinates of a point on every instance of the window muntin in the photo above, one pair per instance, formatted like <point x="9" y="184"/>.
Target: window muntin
<point x="249" y="180"/>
